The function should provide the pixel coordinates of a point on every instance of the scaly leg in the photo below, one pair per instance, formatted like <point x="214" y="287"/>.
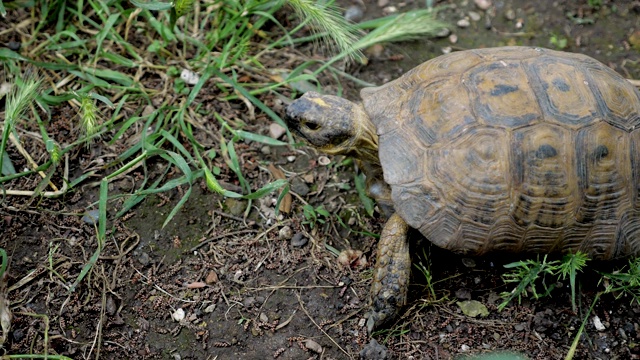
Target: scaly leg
<point x="391" y="273"/>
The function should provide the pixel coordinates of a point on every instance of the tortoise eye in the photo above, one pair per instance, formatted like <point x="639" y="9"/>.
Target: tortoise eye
<point x="313" y="126"/>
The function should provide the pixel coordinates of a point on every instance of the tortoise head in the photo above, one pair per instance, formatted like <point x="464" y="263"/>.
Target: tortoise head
<point x="333" y="125"/>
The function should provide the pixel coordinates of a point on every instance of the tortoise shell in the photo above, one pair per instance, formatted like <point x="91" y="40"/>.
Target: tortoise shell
<point x="515" y="149"/>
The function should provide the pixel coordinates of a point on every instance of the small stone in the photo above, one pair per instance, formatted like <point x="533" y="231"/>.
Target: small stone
<point x="212" y="278"/>
<point x="13" y="45"/>
<point x="291" y="158"/>
<point x="299" y="187"/>
<point x="144" y="259"/>
<point x="143" y="324"/>
<point x="373" y="351"/>
<point x="623" y="334"/>
<point x="464" y="348"/>
<point x="209" y="309"/>
<point x="519" y="327"/>
<point x="453" y="38"/>
<point x="389" y="10"/>
<point x="237" y="275"/>
<point x="91" y="217"/>
<point x="265" y="150"/>
<point x="483" y="4"/>
<point x="264" y="318"/>
<point x="446" y="49"/>
<point x="353" y="14"/>
<point x="375" y="51"/>
<point x="463" y="23"/>
<point x="313" y="346"/>
<point x="285" y="233"/>
<point x="324" y="161"/>
<point x="178" y="315"/>
<point x="598" y="323"/>
<point x="249" y="302"/>
<point x="474" y="16"/>
<point x="235" y="207"/>
<point x="276" y="131"/>
<point x="442" y="33"/>
<point x="383" y="3"/>
<point x="463" y="294"/>
<point x="189" y="77"/>
<point x="469" y="262"/>
<point x="510" y="15"/>
<point x="298" y="240"/>
<point x="110" y="306"/>
<point x="177" y="357"/>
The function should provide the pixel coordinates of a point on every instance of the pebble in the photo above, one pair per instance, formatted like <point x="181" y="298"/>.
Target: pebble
<point x="463" y="23"/>
<point x="474" y="16"/>
<point x="453" y="38"/>
<point x="211" y="278"/>
<point x="91" y="217"/>
<point x="190" y="77"/>
<point x="373" y="351"/>
<point x="178" y="315"/>
<point x="265" y="150"/>
<point x="313" y="346"/>
<point x="389" y="10"/>
<point x="510" y="14"/>
<point x="469" y="262"/>
<point x="463" y="294"/>
<point x="249" y="302"/>
<point x="264" y="318"/>
<point x="598" y="323"/>
<point x="444" y="32"/>
<point x="375" y="51"/>
<point x="519" y="327"/>
<point x="291" y="158"/>
<point x="354" y="14"/>
<point x="483" y="4"/>
<point x="110" y="306"/>
<point x="144" y="259"/>
<point x="209" y="309"/>
<point x="383" y="3"/>
<point x="464" y="348"/>
<point x="285" y="233"/>
<point x="276" y="131"/>
<point x="298" y="240"/>
<point x="299" y="187"/>
<point x="13" y="45"/>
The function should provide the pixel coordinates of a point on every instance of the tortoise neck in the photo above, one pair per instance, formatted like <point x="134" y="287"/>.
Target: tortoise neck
<point x="365" y="139"/>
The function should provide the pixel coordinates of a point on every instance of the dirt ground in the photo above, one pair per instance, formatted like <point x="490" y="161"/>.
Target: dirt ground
<point x="213" y="284"/>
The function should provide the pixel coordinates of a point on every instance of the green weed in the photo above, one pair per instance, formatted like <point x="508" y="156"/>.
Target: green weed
<point x="530" y="275"/>
<point x="315" y="215"/>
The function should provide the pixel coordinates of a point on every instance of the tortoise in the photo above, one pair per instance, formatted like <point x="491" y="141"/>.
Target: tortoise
<point x="515" y="149"/>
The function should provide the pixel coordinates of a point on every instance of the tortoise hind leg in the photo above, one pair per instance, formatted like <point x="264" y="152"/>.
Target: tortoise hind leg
<point x="391" y="273"/>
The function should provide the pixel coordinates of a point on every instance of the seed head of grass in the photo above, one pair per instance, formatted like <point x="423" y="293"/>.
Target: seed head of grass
<point x="88" y="117"/>
<point x="21" y="95"/>
<point x="328" y="20"/>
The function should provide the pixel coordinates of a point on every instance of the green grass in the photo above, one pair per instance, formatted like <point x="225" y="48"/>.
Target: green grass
<point x="110" y="70"/>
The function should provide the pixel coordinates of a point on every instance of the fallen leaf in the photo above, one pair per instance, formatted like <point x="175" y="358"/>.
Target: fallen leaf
<point x="285" y="204"/>
<point x="473" y="308"/>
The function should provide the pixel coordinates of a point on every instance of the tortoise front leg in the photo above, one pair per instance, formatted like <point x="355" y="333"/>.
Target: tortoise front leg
<point x="391" y="273"/>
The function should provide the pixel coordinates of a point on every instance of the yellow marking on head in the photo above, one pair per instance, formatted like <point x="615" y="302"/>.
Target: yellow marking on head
<point x="319" y="101"/>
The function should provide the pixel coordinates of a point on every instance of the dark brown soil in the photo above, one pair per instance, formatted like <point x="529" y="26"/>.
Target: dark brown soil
<point x="214" y="285"/>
